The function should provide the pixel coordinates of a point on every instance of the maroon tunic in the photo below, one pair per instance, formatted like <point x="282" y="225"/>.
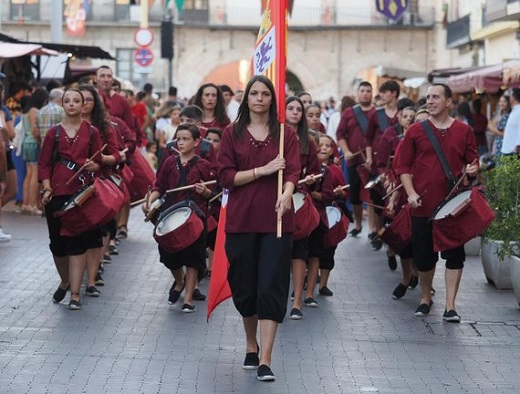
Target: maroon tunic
<point x="251" y="207"/>
<point x="480" y="123"/>
<point x="75" y="150"/>
<point x="169" y="178"/>
<point x="349" y="130"/>
<point x="111" y="149"/>
<point x="215" y="123"/>
<point x="118" y="106"/>
<point x="419" y="159"/>
<point x="388" y="143"/>
<point x="310" y="165"/>
<point x="374" y="132"/>
<point x="125" y="137"/>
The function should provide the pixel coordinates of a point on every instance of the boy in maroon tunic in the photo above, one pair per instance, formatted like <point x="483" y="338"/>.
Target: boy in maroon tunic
<point x="351" y="139"/>
<point x="177" y="171"/>
<point x="425" y="183"/>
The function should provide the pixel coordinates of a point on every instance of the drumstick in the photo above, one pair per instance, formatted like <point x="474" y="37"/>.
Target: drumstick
<point x="392" y="191"/>
<point x="342" y="187"/>
<point x="358" y="152"/>
<point x="280" y="180"/>
<point x="374" y="205"/>
<point x="138" y="202"/>
<point x="124" y="150"/>
<point x="85" y="165"/>
<point x="188" y="187"/>
<point x="462" y="177"/>
<point x="302" y="181"/>
<point x="217" y="196"/>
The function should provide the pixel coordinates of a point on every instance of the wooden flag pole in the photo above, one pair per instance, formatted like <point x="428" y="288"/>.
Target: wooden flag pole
<point x="280" y="181"/>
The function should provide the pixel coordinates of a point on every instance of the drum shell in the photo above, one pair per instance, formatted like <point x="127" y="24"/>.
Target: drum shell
<point x="181" y="237"/>
<point x="398" y="234"/>
<point x="306" y="219"/>
<point x="99" y="209"/>
<point x="144" y="177"/>
<point x="338" y="232"/>
<point x="454" y="231"/>
<point x="364" y="176"/>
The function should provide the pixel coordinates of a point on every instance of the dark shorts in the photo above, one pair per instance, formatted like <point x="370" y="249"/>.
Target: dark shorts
<point x="316" y="242"/>
<point x="193" y="256"/>
<point x="327" y="259"/>
<point x="68" y="246"/>
<point x="259" y="273"/>
<point x="212" y="238"/>
<point x="355" y="185"/>
<point x="300" y="249"/>
<point x="422" y="245"/>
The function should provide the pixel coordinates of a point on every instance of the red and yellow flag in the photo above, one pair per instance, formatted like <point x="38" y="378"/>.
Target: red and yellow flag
<point x="270" y="59"/>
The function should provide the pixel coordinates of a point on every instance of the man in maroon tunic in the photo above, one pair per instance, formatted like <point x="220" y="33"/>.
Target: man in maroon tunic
<point x="351" y="139"/>
<point x="425" y="183"/>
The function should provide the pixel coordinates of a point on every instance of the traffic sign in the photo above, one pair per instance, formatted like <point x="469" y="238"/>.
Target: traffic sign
<point x="143" y="56"/>
<point x="143" y="37"/>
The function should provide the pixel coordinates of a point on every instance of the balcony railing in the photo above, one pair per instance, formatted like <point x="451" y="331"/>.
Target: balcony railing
<point x="230" y="15"/>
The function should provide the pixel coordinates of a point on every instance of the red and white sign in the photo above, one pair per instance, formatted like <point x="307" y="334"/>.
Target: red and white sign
<point x="143" y="56"/>
<point x="143" y="37"/>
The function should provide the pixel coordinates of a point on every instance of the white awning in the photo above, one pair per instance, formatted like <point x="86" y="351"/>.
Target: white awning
<point x="11" y="50"/>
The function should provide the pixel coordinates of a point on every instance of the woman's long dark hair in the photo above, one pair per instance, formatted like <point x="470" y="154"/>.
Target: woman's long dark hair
<point x="220" y="108"/>
<point x="302" y="129"/>
<point x="99" y="116"/>
<point x="37" y="100"/>
<point x="244" y="117"/>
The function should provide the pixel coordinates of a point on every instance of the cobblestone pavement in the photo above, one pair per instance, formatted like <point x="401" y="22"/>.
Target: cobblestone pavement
<point x="131" y="341"/>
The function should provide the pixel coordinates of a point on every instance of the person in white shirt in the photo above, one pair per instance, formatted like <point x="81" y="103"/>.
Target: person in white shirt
<point x="231" y="105"/>
<point x="511" y="142"/>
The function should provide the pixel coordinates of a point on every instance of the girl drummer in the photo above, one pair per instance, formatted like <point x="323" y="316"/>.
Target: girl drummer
<point x="259" y="261"/>
<point x="177" y="171"/>
<point x="309" y="165"/>
<point x="67" y="145"/>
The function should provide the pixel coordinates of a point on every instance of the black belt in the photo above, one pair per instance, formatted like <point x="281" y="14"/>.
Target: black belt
<point x="70" y="165"/>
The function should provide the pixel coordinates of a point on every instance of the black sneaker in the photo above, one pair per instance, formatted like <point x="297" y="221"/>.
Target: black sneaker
<point x="433" y="291"/>
<point x="377" y="244"/>
<point x="325" y="291"/>
<point x="372" y="235"/>
<point x="92" y="291"/>
<point x="311" y="302"/>
<point x="174" y="294"/>
<point x="113" y="250"/>
<point x="198" y="296"/>
<point x="59" y="295"/>
<point x="251" y="361"/>
<point x="413" y="282"/>
<point x="187" y="308"/>
<point x="122" y="234"/>
<point x="107" y="259"/>
<point x="296" y="314"/>
<point x="392" y="263"/>
<point x="399" y="291"/>
<point x="423" y="309"/>
<point x="451" y="316"/>
<point x="99" y="280"/>
<point x="264" y="373"/>
<point x="74" y="305"/>
<point x="292" y="296"/>
<point x="355" y="232"/>
<point x="101" y="268"/>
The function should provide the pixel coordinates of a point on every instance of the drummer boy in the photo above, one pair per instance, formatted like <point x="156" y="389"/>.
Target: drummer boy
<point x="185" y="169"/>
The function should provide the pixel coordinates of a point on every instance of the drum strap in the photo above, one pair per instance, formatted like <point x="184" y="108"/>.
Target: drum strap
<point x="442" y="158"/>
<point x="361" y="118"/>
<point x="382" y="119"/>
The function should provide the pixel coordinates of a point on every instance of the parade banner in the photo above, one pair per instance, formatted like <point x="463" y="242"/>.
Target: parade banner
<point x="76" y="17"/>
<point x="392" y="9"/>
<point x="269" y="58"/>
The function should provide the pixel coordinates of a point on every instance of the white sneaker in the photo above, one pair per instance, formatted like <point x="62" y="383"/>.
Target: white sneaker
<point x="4" y="237"/>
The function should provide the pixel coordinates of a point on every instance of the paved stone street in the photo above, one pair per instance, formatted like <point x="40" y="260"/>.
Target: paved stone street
<point x="131" y="341"/>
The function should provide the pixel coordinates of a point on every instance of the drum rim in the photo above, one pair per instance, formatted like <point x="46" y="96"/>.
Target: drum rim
<point x="466" y="192"/>
<point x="157" y="229"/>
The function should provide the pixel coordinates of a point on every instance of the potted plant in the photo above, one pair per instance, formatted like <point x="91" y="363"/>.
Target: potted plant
<point x="500" y="245"/>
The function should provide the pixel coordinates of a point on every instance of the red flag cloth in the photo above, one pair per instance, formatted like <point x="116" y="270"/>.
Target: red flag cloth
<point x="269" y="59"/>
<point x="219" y="290"/>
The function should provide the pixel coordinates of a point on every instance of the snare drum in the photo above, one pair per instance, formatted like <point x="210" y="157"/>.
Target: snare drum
<point x="306" y="216"/>
<point x="91" y="207"/>
<point x="398" y="234"/>
<point x="459" y="219"/>
<point x="178" y="229"/>
<point x="338" y="227"/>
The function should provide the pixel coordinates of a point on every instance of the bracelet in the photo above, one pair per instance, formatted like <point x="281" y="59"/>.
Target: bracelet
<point x="254" y="173"/>
<point x="42" y="192"/>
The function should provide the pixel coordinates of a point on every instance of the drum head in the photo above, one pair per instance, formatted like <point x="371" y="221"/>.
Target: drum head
<point x="333" y="216"/>
<point x="73" y="201"/>
<point x="298" y="201"/>
<point x="450" y="205"/>
<point x="173" y="221"/>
